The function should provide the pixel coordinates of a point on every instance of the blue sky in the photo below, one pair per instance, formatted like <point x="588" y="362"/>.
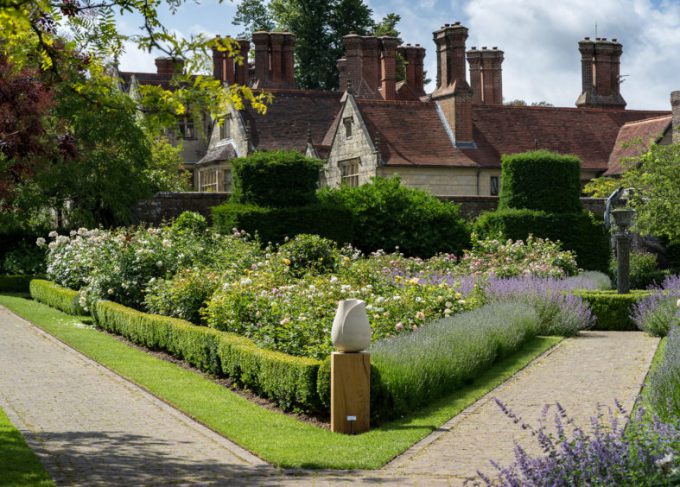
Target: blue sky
<point x="539" y="38"/>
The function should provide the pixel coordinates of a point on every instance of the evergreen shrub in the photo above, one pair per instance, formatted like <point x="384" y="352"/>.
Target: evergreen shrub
<point x="275" y="224"/>
<point x="289" y="381"/>
<point x="388" y="215"/>
<point x="15" y="284"/>
<point x="581" y="232"/>
<point x="51" y="294"/>
<point x="612" y="310"/>
<point x="541" y="180"/>
<point x="644" y="270"/>
<point x="275" y="179"/>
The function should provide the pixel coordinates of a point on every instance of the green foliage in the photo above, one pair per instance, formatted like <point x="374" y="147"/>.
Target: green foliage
<point x="288" y="381"/>
<point x="275" y="179"/>
<point x="64" y="299"/>
<point x="190" y="221"/>
<point x="601" y="187"/>
<point x="580" y="232"/>
<point x="612" y="310"/>
<point x="644" y="270"/>
<point x="275" y="224"/>
<point x="540" y="180"/>
<point x="656" y="179"/>
<point x="388" y="216"/>
<point x="310" y="253"/>
<point x="15" y="284"/>
<point x="24" y="258"/>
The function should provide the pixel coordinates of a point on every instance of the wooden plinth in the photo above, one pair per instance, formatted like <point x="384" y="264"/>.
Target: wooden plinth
<point x="350" y="392"/>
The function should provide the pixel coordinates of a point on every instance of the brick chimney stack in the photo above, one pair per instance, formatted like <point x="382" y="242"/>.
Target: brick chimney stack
<point x="415" y="76"/>
<point x="675" y="126"/>
<point x="486" y="75"/>
<point x="600" y="69"/>
<point x="169" y="66"/>
<point x="453" y="94"/>
<point x="226" y="69"/>
<point x="241" y="70"/>
<point x="371" y="63"/>
<point x="388" y="67"/>
<point x="274" y="65"/>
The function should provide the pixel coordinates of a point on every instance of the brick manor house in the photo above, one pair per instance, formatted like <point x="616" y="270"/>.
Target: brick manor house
<point x="449" y="141"/>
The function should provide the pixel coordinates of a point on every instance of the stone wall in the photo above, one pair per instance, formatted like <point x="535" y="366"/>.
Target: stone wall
<point x="166" y="206"/>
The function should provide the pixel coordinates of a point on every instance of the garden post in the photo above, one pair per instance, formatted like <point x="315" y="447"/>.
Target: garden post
<point x="623" y="217"/>
<point x="351" y="369"/>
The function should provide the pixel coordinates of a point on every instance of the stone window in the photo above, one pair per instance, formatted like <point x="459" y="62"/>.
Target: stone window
<point x="347" y="122"/>
<point x="225" y="127"/>
<point x="494" y="186"/>
<point x="186" y="128"/>
<point x="207" y="180"/>
<point x="349" y="172"/>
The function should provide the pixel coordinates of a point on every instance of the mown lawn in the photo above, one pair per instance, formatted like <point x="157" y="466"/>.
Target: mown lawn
<point x="277" y="438"/>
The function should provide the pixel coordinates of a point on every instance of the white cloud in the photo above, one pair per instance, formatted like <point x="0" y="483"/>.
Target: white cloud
<point x="135" y="59"/>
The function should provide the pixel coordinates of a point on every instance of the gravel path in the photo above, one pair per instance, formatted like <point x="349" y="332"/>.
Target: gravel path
<point x="91" y="427"/>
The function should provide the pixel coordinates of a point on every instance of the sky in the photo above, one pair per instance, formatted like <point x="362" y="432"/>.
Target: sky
<point x="539" y="39"/>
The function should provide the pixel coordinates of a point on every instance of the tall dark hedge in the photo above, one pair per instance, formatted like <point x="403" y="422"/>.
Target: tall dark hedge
<point x="388" y="215"/>
<point x="275" y="179"/>
<point x="275" y="224"/>
<point x="581" y="232"/>
<point x="541" y="180"/>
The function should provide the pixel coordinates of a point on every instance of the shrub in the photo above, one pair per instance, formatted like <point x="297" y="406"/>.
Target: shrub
<point x="643" y="270"/>
<point x="612" y="310"/>
<point x="417" y="368"/>
<point x="534" y="256"/>
<point x="184" y="295"/>
<point x="56" y="296"/>
<point x="15" y="284"/>
<point x="388" y="216"/>
<point x="663" y="387"/>
<point x="540" y="180"/>
<point x="579" y="232"/>
<point x="288" y="381"/>
<point x="615" y="451"/>
<point x="190" y="221"/>
<point x="275" y="179"/>
<point x="24" y="259"/>
<point x="310" y="253"/>
<point x="558" y="312"/>
<point x="657" y="312"/>
<point x="275" y="224"/>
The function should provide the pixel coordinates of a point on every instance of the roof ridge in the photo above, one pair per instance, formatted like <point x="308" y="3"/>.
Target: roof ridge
<point x="650" y="119"/>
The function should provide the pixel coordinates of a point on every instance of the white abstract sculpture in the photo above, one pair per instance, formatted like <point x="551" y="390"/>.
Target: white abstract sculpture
<point x="351" y="330"/>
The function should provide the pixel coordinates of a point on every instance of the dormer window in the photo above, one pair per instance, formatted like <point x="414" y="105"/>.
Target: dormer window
<point x="225" y="127"/>
<point x="347" y="122"/>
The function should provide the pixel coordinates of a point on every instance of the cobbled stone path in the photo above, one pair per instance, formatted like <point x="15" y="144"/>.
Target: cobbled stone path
<point x="91" y="427"/>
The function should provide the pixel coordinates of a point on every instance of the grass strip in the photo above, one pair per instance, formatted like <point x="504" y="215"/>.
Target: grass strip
<point x="279" y="439"/>
<point x="19" y="466"/>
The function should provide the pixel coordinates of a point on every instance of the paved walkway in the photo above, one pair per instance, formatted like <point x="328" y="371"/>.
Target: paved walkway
<point x="91" y="427"/>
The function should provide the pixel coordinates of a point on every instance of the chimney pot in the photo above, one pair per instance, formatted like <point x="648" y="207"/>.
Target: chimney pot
<point x="483" y="47"/>
<point x="456" y="23"/>
<point x="586" y="38"/>
<point x="495" y="48"/>
<point x="614" y="40"/>
<point x="447" y="25"/>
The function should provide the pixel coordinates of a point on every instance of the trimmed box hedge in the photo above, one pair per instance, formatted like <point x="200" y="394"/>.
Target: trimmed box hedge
<point x="64" y="299"/>
<point x="581" y="232"/>
<point x="15" y="284"/>
<point x="541" y="180"/>
<point x="289" y="381"/>
<point x="275" y="224"/>
<point x="612" y="310"/>
<point x="276" y="179"/>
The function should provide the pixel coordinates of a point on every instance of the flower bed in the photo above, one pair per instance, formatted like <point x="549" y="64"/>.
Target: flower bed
<point x="658" y="312"/>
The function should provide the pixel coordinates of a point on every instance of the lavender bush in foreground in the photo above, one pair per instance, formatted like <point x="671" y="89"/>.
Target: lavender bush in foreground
<point x="643" y="454"/>
<point x="657" y="313"/>
<point x="663" y="391"/>
<point x="559" y="313"/>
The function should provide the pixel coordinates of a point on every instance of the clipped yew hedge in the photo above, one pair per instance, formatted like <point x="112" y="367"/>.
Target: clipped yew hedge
<point x="287" y="380"/>
<point x="15" y="284"/>
<point x="56" y="296"/>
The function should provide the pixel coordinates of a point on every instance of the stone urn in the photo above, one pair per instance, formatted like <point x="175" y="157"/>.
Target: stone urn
<point x="351" y="330"/>
<point x="623" y="217"/>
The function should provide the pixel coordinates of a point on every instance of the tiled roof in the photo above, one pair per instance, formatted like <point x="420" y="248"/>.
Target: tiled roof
<point x="222" y="152"/>
<point x="411" y="133"/>
<point x="290" y="116"/>
<point x="588" y="133"/>
<point x="634" y="139"/>
<point x="162" y="80"/>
